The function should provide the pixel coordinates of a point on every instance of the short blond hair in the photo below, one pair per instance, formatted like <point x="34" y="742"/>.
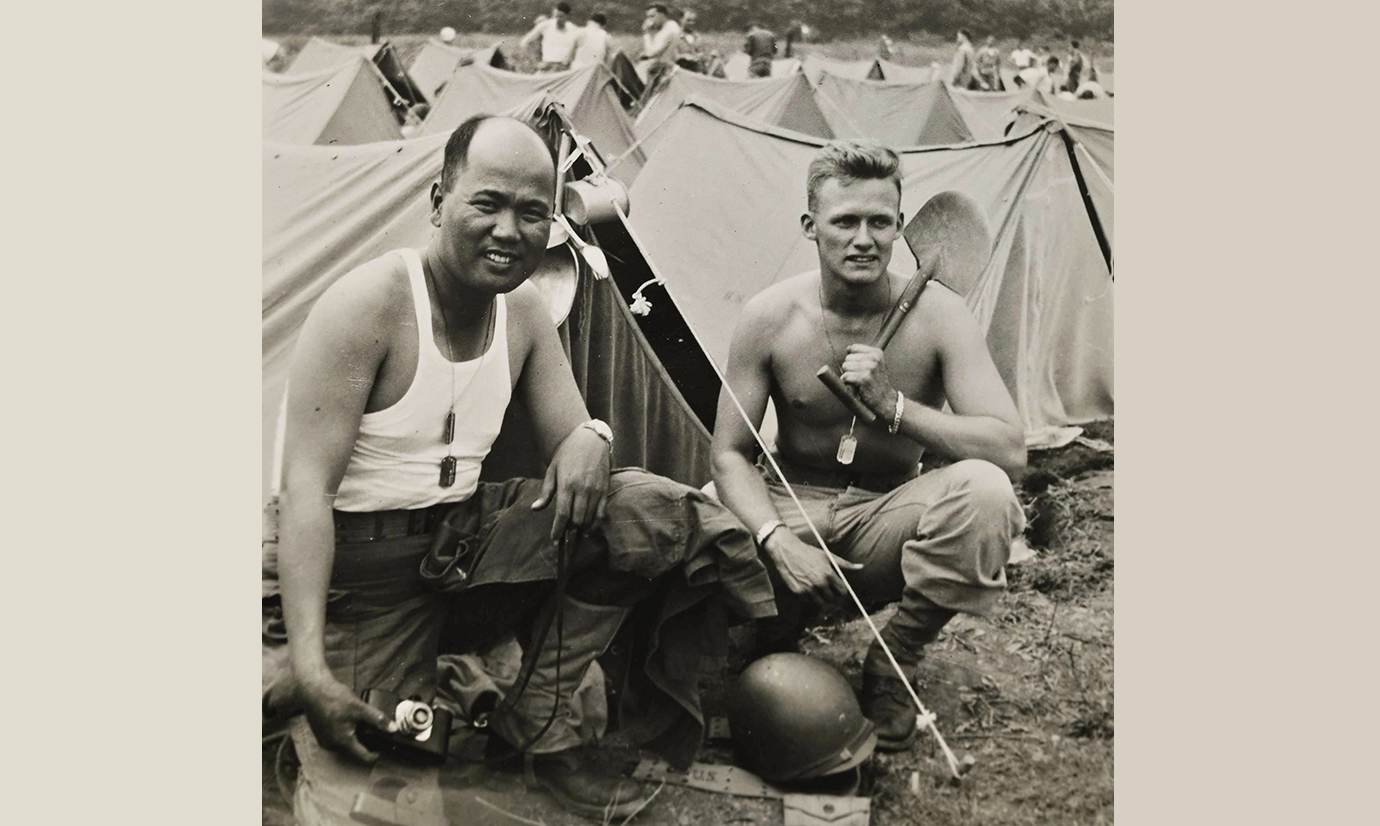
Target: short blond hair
<point x="852" y="160"/>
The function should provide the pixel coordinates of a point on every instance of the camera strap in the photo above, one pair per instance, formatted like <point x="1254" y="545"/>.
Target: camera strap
<point x="552" y="613"/>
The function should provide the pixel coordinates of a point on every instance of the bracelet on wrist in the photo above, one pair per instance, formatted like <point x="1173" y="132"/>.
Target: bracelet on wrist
<point x="895" y="426"/>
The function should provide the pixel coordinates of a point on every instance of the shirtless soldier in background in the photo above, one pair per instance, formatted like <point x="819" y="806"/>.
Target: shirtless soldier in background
<point x="938" y="543"/>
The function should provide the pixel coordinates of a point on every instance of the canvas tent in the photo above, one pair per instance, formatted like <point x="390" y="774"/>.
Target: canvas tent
<point x="437" y="61"/>
<point x="587" y="93"/>
<point x="987" y="114"/>
<point x="907" y="74"/>
<point x="787" y="102"/>
<point x="1092" y="150"/>
<point x="1045" y="297"/>
<point x="630" y="85"/>
<point x="894" y="113"/>
<point x="327" y="210"/>
<point x="319" y="54"/>
<point x="345" y="104"/>
<point x="1099" y="110"/>
<point x="814" y="66"/>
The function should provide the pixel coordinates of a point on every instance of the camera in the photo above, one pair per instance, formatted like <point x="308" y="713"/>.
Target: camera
<point x="423" y="732"/>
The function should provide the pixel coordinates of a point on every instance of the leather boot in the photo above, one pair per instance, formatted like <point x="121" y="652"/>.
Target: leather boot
<point x="884" y="698"/>
<point x="888" y="705"/>
<point x="564" y="775"/>
<point x="552" y="762"/>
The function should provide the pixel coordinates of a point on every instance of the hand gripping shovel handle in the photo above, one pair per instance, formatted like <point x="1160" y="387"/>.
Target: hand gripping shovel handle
<point x="830" y="377"/>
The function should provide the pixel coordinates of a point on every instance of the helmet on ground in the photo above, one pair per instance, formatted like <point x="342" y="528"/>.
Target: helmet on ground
<point x="447" y="34"/>
<point x="794" y="717"/>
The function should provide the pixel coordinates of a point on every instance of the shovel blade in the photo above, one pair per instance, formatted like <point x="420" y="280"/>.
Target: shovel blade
<point x="956" y="224"/>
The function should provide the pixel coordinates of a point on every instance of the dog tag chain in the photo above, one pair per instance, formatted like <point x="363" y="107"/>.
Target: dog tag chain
<point x="848" y="443"/>
<point x="449" y="464"/>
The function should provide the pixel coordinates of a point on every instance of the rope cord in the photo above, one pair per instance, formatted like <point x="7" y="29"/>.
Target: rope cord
<point x="925" y="716"/>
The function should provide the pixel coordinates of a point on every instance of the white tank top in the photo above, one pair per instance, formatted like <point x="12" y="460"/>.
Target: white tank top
<point x="396" y="461"/>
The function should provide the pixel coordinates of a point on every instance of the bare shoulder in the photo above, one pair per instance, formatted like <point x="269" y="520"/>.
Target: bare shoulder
<point x="368" y="299"/>
<point x="526" y="309"/>
<point x="773" y="307"/>
<point x="941" y="308"/>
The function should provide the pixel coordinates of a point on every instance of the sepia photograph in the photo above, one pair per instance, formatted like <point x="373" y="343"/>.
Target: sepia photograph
<point x="688" y="414"/>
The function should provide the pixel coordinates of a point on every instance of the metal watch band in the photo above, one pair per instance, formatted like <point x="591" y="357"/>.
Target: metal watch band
<point x="601" y="429"/>
<point x="766" y="530"/>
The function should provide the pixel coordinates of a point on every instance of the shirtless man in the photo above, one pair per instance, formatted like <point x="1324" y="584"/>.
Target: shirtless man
<point x="937" y="542"/>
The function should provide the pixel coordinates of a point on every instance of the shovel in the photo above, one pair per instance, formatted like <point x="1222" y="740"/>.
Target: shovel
<point x="951" y="240"/>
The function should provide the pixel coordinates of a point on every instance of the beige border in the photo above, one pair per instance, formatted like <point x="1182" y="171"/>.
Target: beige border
<point x="132" y="332"/>
<point x="135" y="211"/>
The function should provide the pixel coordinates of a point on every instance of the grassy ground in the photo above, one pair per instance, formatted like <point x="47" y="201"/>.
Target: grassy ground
<point x="919" y="51"/>
<point x="1028" y="692"/>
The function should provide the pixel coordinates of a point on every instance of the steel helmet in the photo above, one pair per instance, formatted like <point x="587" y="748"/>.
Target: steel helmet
<point x="794" y="717"/>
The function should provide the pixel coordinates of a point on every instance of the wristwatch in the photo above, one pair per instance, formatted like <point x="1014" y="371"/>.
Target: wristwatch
<point x="601" y="429"/>
<point x="767" y="529"/>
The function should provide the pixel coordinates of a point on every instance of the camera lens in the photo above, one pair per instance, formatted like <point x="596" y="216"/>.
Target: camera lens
<point x="413" y="716"/>
<point x="420" y="717"/>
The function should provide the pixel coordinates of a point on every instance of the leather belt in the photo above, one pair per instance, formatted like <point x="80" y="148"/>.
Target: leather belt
<point x="875" y="482"/>
<point x="377" y="525"/>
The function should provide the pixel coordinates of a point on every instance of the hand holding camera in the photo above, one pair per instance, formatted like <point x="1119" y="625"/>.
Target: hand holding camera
<point x="420" y="733"/>
<point x="336" y="713"/>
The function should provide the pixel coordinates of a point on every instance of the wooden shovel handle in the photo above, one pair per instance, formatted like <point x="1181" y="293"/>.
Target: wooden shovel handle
<point x="830" y="377"/>
<point x="831" y="380"/>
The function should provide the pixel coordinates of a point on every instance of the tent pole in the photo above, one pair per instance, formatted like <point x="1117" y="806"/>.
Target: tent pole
<point x="1088" y="205"/>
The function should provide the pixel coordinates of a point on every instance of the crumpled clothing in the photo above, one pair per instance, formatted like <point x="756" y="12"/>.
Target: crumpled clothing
<point x="654" y="526"/>
<point x="462" y="679"/>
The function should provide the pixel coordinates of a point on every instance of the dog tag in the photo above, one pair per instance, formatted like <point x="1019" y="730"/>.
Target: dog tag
<point x="448" y="471"/>
<point x="847" y="445"/>
<point x="449" y="435"/>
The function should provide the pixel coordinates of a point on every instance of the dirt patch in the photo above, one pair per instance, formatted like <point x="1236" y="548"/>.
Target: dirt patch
<point x="1028" y="691"/>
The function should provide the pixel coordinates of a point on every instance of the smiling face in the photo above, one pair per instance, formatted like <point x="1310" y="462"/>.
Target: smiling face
<point x="496" y="218"/>
<point x="854" y="224"/>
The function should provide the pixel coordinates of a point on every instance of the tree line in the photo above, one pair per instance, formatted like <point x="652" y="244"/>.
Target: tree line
<point x="831" y="19"/>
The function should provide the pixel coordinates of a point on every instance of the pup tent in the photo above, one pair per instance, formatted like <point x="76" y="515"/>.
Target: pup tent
<point x="344" y="104"/>
<point x="1045" y="297"/>
<point x="437" y="61"/>
<point x="328" y="209"/>
<point x="1096" y="110"/>
<point x="988" y="114"/>
<point x="906" y="74"/>
<point x="1092" y="147"/>
<point x="787" y="102"/>
<point x="630" y="85"/>
<point x="891" y="112"/>
<point x="816" y="66"/>
<point x="589" y="95"/>
<point x="318" y="54"/>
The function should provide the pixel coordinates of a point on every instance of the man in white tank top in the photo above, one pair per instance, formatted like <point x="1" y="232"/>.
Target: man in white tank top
<point x="398" y="384"/>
